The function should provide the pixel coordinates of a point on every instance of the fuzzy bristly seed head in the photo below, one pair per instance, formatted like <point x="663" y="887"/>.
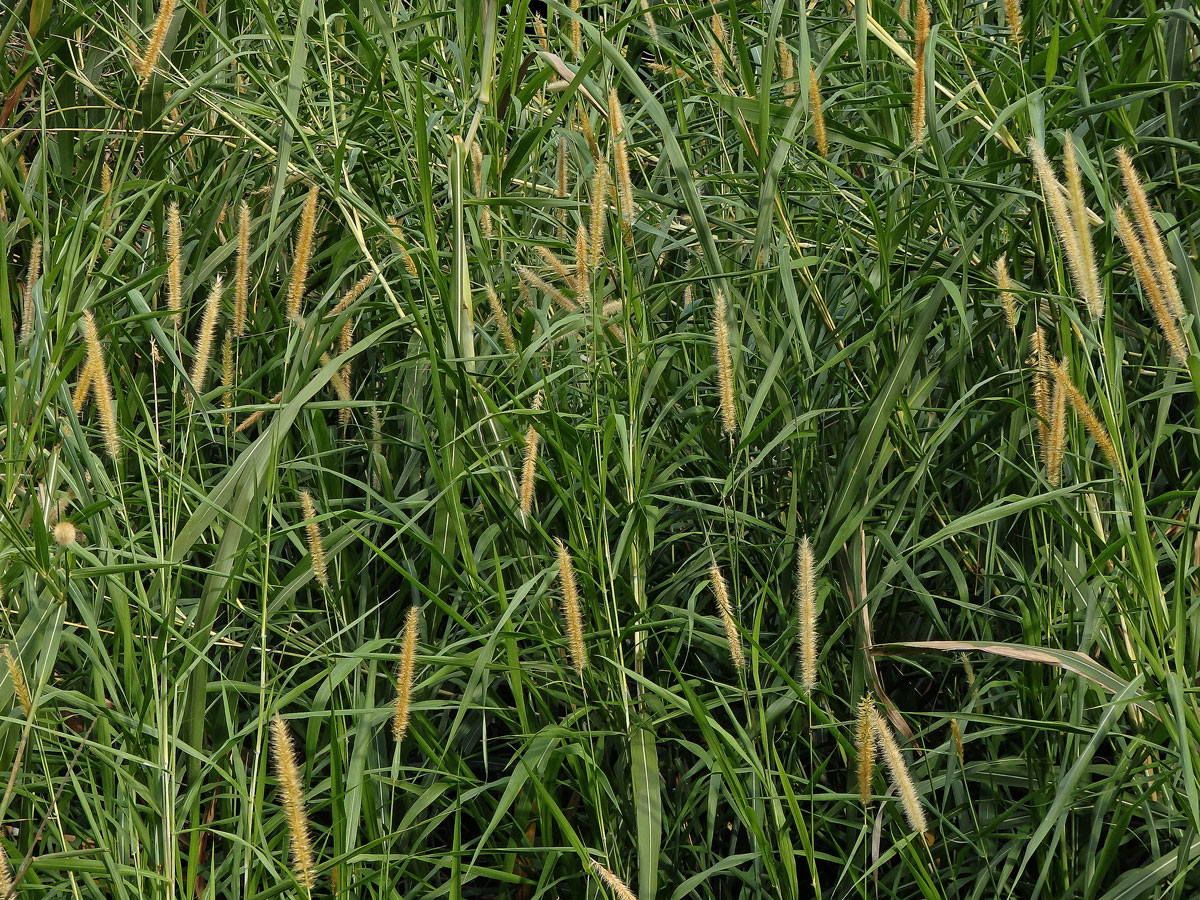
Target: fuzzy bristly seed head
<point x="1083" y="230"/>
<point x="529" y="468"/>
<point x="918" y="87"/>
<point x="158" y="36"/>
<point x="599" y="206"/>
<point x="572" y="615"/>
<point x="64" y="533"/>
<point x="1064" y="226"/>
<point x="1040" y="360"/>
<point x="316" y="545"/>
<point x="304" y="241"/>
<point x="729" y="423"/>
<point x="619" y="888"/>
<point x="204" y="339"/>
<point x="404" y="675"/>
<point x="864" y="744"/>
<point x="241" y="286"/>
<point x="1151" y="236"/>
<point x="502" y="323"/>
<point x="1004" y="284"/>
<point x="725" y="610"/>
<point x="34" y="272"/>
<point x="818" y="116"/>
<point x="1151" y="286"/>
<point x="1012" y="15"/>
<point x="806" y="613"/>
<point x="1091" y="422"/>
<point x="101" y="387"/>
<point x="19" y="685"/>
<point x="174" y="264"/>
<point x="288" y="773"/>
<point x="899" y="775"/>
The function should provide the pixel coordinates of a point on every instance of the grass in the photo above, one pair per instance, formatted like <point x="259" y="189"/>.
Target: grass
<point x="764" y="330"/>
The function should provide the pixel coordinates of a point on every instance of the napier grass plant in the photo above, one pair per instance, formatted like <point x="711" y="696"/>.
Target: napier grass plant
<point x="572" y="449"/>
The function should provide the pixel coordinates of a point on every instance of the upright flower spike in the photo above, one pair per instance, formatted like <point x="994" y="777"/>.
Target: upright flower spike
<point x="292" y="790"/>
<point x="729" y="424"/>
<point x="864" y="744"/>
<point x="1160" y="303"/>
<point x="725" y="609"/>
<point x="1004" y="285"/>
<point x="175" y="264"/>
<point x="316" y="546"/>
<point x="101" y="387"/>
<point x="158" y="37"/>
<point x="918" y="88"/>
<point x="404" y="675"/>
<point x="204" y="338"/>
<point x="304" y="241"/>
<point x="814" y="97"/>
<point x="806" y="611"/>
<point x="1151" y="236"/>
<point x="572" y="615"/>
<point x="241" y="284"/>
<point x="529" y="468"/>
<point x="35" y="271"/>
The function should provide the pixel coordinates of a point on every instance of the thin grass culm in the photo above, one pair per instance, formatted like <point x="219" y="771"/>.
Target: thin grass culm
<point x="806" y="613"/>
<point x="292" y="791"/>
<point x="572" y="614"/>
<point x="401" y="709"/>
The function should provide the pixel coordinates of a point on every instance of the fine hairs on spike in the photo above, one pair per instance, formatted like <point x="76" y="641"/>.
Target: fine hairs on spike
<point x="101" y="388"/>
<point x="552" y="260"/>
<point x="583" y="270"/>
<point x="485" y="212"/>
<point x="814" y="99"/>
<point x="570" y="603"/>
<point x="204" y="340"/>
<point x="404" y="675"/>
<point x="174" y="264"/>
<point x="806" y="611"/>
<point x="304" y="241"/>
<point x="864" y="744"/>
<point x="529" y="469"/>
<point x="1004" y="283"/>
<point x="35" y="271"/>
<point x="1150" y="233"/>
<point x="899" y="776"/>
<point x="20" y="686"/>
<point x="599" y="202"/>
<point x="729" y="422"/>
<point x="1091" y="422"/>
<point x="534" y="280"/>
<point x="1151" y="286"/>
<point x="1083" y="231"/>
<point x="316" y="546"/>
<point x="918" y="89"/>
<point x="84" y="387"/>
<point x="787" y="69"/>
<point x="227" y="376"/>
<point x="576" y="31"/>
<point x="619" y="888"/>
<point x="725" y="608"/>
<point x="720" y="40"/>
<point x="157" y="37"/>
<point x="288" y="773"/>
<point x="1057" y="438"/>
<point x="241" y="284"/>
<point x="506" y="332"/>
<point x="560" y="191"/>
<point x="616" y="126"/>
<point x="1012" y="15"/>
<point x="257" y="414"/>
<point x="1062" y="221"/>
<point x="1041" y="389"/>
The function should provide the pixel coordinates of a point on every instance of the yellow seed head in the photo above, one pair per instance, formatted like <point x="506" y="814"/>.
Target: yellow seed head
<point x="502" y="324"/>
<point x="1151" y="286"/>
<point x="1004" y="283"/>
<point x="864" y="731"/>
<point x="899" y="776"/>
<point x="583" y="269"/>
<point x="64" y="533"/>
<point x="720" y="40"/>
<point x="101" y="387"/>
<point x="725" y="609"/>
<point x="787" y="69"/>
<point x="84" y="387"/>
<point x="241" y="284"/>
<point x="6" y="879"/>
<point x="560" y="191"/>
<point x="256" y="415"/>
<point x="619" y="888"/>
<point x="1091" y="422"/>
<point x="1012" y="15"/>
<point x="316" y="546"/>
<point x="806" y="612"/>
<point x="20" y="686"/>
<point x="814" y="97"/>
<point x="204" y="339"/>
<point x="1150" y="233"/>
<point x="599" y="200"/>
<point x="570" y="602"/>
<point x="1041" y="389"/>
<point x="404" y="676"/>
<point x="1062" y="220"/>
<point x="576" y="31"/>
<point x="529" y="469"/>
<point x="174" y="263"/>
<point x="227" y="375"/>
<point x="293" y="803"/>
<point x="956" y="736"/>
<point x="531" y="278"/>
<point x="1056" y="440"/>
<point x="35" y="272"/>
<point x="304" y="242"/>
<point x="1083" y="231"/>
<point x="552" y="260"/>
<point x="729" y="424"/>
<point x="918" y="100"/>
<point x="157" y="37"/>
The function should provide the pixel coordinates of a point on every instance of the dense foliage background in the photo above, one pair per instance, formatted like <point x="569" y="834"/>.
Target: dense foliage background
<point x="883" y="407"/>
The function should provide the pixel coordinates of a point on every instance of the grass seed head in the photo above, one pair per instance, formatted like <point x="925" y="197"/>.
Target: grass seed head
<point x="316" y="545"/>
<point x="806" y="611"/>
<point x="725" y="609"/>
<point x="404" y="675"/>
<point x="1151" y="286"/>
<point x="292" y="790"/>
<point x="864" y="732"/>
<point x="1150" y="234"/>
<point x="818" y="117"/>
<point x="572" y="616"/>
<point x="241" y="284"/>
<point x="304" y="241"/>
<point x="729" y="423"/>
<point x="158" y="37"/>
<point x="35" y="272"/>
<point x="899" y="775"/>
<point x="19" y="684"/>
<point x="175" y="264"/>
